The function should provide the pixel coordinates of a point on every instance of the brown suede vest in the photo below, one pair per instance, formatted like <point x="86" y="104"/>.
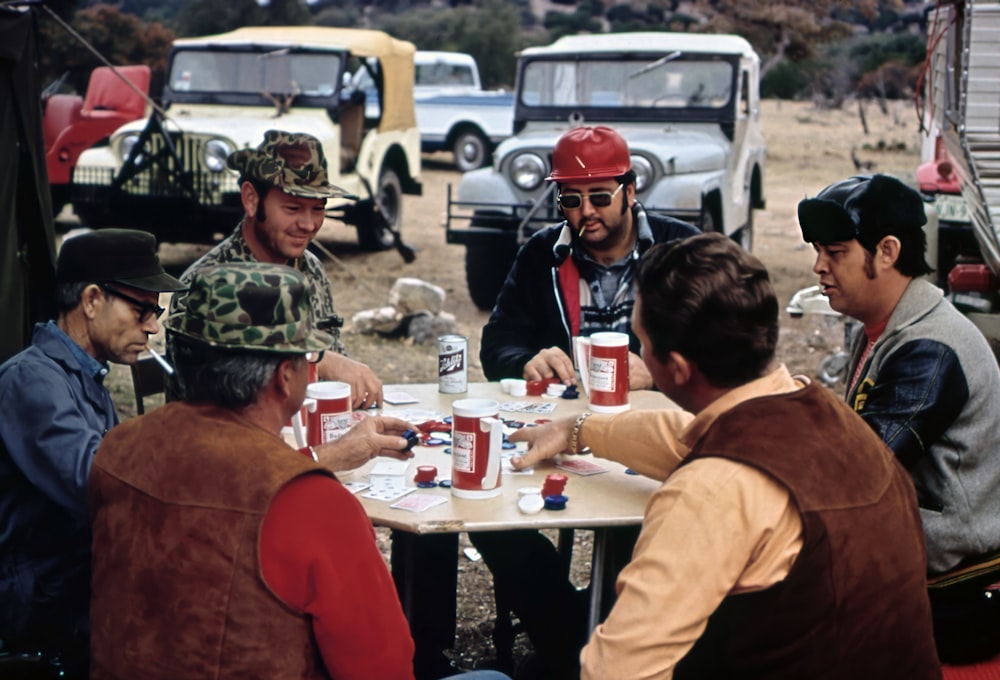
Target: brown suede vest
<point x="855" y="602"/>
<point x="177" y="499"/>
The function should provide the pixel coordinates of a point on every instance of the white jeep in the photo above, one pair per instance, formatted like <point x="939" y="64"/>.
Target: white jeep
<point x="689" y="106"/>
<point x="168" y="174"/>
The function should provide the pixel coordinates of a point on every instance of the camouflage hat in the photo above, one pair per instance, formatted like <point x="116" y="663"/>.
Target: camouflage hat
<point x="252" y="306"/>
<point x="291" y="161"/>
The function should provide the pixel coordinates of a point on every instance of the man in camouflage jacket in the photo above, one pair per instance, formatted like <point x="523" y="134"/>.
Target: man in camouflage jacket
<point x="284" y="187"/>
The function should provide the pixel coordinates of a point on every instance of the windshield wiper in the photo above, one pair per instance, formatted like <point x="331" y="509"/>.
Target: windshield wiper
<point x="656" y="64"/>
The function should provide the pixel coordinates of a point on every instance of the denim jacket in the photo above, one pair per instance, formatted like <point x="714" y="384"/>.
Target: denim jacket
<point x="55" y="411"/>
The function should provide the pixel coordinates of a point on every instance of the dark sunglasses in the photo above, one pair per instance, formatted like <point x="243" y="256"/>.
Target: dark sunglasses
<point x="598" y="199"/>
<point x="314" y="357"/>
<point x="147" y="310"/>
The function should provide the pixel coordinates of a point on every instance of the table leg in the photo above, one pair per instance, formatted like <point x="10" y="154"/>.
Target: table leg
<point x="598" y="564"/>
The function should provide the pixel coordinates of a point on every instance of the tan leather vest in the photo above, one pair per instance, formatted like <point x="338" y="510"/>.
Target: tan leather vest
<point x="177" y="499"/>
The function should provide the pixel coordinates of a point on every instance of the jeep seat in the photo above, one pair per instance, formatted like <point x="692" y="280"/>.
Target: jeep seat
<point x="352" y="129"/>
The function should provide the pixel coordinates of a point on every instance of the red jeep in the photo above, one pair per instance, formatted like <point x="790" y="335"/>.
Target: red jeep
<point x="72" y="123"/>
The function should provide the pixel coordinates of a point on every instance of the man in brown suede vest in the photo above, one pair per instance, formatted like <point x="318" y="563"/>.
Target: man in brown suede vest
<point x="219" y="551"/>
<point x="785" y="541"/>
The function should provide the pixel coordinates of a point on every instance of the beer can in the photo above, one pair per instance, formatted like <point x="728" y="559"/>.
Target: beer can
<point x="453" y="364"/>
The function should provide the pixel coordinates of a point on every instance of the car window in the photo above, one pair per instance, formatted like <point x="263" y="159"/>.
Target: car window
<point x="277" y="71"/>
<point x="662" y="83"/>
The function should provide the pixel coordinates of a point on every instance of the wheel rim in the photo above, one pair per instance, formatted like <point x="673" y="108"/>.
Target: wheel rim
<point x="470" y="152"/>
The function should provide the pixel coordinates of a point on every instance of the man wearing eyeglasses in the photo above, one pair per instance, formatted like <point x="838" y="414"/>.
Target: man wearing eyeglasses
<point x="576" y="278"/>
<point x="56" y="410"/>
<point x="570" y="279"/>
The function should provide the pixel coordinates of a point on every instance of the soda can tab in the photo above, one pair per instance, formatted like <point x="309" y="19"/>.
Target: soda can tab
<point x="453" y="364"/>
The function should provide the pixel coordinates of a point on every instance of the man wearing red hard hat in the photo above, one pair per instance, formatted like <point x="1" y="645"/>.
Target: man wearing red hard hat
<point x="575" y="278"/>
<point x="571" y="279"/>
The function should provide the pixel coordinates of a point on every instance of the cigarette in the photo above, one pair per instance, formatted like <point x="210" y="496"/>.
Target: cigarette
<point x="161" y="361"/>
<point x="582" y="229"/>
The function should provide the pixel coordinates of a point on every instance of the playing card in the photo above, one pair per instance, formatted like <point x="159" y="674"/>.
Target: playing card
<point x="387" y="493"/>
<point x="581" y="466"/>
<point x="355" y="487"/>
<point x="418" y="502"/>
<point x="399" y="397"/>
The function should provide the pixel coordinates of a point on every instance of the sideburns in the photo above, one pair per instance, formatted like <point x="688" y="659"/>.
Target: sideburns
<point x="869" y="264"/>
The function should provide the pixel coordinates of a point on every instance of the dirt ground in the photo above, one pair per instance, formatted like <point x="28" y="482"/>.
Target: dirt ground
<point x="808" y="148"/>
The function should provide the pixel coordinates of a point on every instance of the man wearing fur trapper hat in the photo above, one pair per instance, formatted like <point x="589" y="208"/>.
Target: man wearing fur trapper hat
<point x="921" y="374"/>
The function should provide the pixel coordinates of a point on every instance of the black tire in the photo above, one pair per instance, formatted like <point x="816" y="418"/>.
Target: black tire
<point x="385" y="216"/>
<point x="744" y="235"/>
<point x="486" y="267"/>
<point x="471" y="150"/>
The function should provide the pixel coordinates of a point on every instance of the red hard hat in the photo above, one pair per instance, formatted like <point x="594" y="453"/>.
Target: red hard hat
<point x="586" y="153"/>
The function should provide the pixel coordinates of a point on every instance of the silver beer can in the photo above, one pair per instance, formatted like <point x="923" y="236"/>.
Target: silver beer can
<point x="453" y="364"/>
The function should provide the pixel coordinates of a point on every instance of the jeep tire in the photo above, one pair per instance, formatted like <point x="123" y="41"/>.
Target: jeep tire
<point x="375" y="231"/>
<point x="486" y="265"/>
<point x="471" y="150"/>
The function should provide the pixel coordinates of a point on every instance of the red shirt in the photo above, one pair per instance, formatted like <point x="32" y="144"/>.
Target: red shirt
<point x="318" y="554"/>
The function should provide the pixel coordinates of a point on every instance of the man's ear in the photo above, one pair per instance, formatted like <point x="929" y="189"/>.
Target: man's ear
<point x="678" y="369"/>
<point x="249" y="197"/>
<point x="887" y="251"/>
<point x="91" y="296"/>
<point x="283" y="377"/>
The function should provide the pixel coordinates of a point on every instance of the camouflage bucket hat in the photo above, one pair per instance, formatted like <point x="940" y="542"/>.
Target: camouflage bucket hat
<point x="291" y="161"/>
<point x="260" y="307"/>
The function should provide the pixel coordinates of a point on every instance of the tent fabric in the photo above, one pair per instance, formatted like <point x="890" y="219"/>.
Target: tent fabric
<point x="27" y="236"/>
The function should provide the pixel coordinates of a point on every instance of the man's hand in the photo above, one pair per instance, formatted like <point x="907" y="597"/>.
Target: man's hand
<point x="639" y="377"/>
<point x="373" y="436"/>
<point x="551" y="363"/>
<point x="544" y="442"/>
<point x="366" y="388"/>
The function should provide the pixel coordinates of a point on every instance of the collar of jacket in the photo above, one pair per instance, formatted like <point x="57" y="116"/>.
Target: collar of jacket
<point x="564" y="244"/>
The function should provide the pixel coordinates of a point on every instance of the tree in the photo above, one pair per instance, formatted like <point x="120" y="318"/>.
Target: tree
<point x="786" y="29"/>
<point x="488" y="30"/>
<point x="121" y="38"/>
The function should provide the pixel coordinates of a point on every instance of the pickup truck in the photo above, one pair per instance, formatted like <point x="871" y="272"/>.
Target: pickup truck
<point x="688" y="105"/>
<point x="454" y="112"/>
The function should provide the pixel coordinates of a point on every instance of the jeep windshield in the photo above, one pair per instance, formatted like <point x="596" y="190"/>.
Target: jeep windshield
<point x="666" y="87"/>
<point x="226" y="74"/>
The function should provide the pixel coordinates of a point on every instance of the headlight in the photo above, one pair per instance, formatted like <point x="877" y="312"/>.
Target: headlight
<point x="214" y="154"/>
<point x="127" y="144"/>
<point x="527" y="171"/>
<point x="643" y="173"/>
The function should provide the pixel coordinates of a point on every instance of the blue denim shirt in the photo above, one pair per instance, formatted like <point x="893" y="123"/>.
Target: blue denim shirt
<point x="55" y="412"/>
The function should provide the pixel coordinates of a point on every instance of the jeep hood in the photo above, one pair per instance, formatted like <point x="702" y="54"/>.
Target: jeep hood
<point x="244" y="126"/>
<point x="688" y="148"/>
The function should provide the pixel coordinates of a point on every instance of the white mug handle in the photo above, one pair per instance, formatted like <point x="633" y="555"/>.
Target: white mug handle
<point x="581" y="353"/>
<point x="297" y="427"/>
<point x="495" y="428"/>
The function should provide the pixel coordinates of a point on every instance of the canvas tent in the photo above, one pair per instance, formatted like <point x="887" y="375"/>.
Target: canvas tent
<point x="27" y="237"/>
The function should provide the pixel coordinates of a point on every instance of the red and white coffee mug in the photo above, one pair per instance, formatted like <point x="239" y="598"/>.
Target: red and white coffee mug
<point x="328" y="407"/>
<point x="476" y="448"/>
<point x="607" y="372"/>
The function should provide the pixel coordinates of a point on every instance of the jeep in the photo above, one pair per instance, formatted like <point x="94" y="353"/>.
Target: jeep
<point x="168" y="174"/>
<point x="689" y="106"/>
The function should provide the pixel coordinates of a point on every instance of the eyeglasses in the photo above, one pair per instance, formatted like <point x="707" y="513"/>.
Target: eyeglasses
<point x="598" y="199"/>
<point x="314" y="357"/>
<point x="147" y="310"/>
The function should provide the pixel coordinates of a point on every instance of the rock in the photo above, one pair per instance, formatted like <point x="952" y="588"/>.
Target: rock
<point x="381" y="320"/>
<point x="428" y="327"/>
<point x="410" y="295"/>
